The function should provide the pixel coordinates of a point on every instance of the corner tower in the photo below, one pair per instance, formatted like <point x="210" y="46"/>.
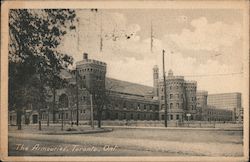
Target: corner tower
<point x="92" y="73"/>
<point x="156" y="80"/>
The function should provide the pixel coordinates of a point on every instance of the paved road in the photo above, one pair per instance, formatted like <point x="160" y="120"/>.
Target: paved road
<point x="133" y="142"/>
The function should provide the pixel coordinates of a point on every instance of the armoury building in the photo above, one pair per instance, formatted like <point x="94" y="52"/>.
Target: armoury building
<point x="126" y="100"/>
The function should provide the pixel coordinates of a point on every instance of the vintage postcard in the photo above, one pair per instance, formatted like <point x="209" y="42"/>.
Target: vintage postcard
<point x="125" y="80"/>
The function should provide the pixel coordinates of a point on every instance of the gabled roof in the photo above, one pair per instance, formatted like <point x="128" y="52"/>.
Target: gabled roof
<point x="127" y="87"/>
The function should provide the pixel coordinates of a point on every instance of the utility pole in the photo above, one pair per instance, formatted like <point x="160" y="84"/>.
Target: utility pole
<point x="91" y="112"/>
<point x="101" y="39"/>
<point x="77" y="104"/>
<point x="164" y="87"/>
<point x="151" y="37"/>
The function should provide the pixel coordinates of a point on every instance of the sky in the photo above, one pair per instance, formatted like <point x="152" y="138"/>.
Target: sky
<point x="203" y="45"/>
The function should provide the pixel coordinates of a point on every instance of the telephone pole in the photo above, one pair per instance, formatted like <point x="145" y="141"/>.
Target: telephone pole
<point x="77" y="102"/>
<point x="165" y="91"/>
<point x="151" y="37"/>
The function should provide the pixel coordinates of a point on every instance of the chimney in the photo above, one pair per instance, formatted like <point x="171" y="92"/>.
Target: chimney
<point x="85" y="56"/>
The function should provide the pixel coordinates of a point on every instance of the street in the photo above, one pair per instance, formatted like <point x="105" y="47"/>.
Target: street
<point x="130" y="142"/>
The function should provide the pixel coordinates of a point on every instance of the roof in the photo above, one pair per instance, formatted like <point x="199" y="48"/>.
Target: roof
<point x="119" y="85"/>
<point x="127" y="87"/>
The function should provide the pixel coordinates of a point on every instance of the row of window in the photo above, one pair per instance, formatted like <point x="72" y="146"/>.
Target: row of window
<point x="171" y="117"/>
<point x="90" y="69"/>
<point x="130" y="116"/>
<point x="171" y="96"/>
<point x="177" y="87"/>
<point x="135" y="106"/>
<point x="219" y="113"/>
<point x="177" y="105"/>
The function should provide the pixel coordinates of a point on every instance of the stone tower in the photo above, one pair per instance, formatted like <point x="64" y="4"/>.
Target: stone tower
<point x="92" y="73"/>
<point x="156" y="80"/>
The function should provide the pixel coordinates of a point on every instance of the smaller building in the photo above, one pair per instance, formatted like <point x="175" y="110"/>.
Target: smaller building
<point x="228" y="101"/>
<point x="211" y="113"/>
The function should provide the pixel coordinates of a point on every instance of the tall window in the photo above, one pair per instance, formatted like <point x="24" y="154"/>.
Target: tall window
<point x="171" y="96"/>
<point x="177" y="117"/>
<point x="124" y="105"/>
<point x="171" y="105"/>
<point x="138" y="107"/>
<point x="171" y="117"/>
<point x="177" y="105"/>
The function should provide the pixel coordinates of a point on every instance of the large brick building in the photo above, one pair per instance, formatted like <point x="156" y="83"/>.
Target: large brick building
<point x="124" y="100"/>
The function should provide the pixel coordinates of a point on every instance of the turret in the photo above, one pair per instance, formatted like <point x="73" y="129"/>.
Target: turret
<point x="92" y="73"/>
<point x="156" y="80"/>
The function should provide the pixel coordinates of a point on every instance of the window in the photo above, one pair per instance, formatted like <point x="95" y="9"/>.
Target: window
<point x="177" y="105"/>
<point x="177" y="117"/>
<point x="171" y="105"/>
<point x="124" y="105"/>
<point x="162" y="106"/>
<point x="177" y="95"/>
<point x="84" y="77"/>
<point x="66" y="115"/>
<point x="170" y="87"/>
<point x="181" y="95"/>
<point x="162" y="117"/>
<point x="162" y="97"/>
<point x="171" y="96"/>
<point x="138" y="106"/>
<point x="150" y="107"/>
<point x="124" y="115"/>
<point x="171" y="117"/>
<point x="145" y="107"/>
<point x="138" y="116"/>
<point x="132" y="116"/>
<point x="116" y="115"/>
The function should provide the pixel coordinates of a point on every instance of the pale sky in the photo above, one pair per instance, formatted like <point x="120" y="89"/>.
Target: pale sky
<point x="200" y="44"/>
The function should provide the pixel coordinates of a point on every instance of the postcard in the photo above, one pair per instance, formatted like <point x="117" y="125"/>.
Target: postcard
<point x="125" y="80"/>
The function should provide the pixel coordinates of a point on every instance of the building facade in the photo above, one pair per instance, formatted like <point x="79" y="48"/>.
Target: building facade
<point x="181" y="98"/>
<point x="125" y="100"/>
<point x="228" y="101"/>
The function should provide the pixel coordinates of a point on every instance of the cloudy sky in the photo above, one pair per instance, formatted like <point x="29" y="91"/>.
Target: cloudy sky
<point x="202" y="45"/>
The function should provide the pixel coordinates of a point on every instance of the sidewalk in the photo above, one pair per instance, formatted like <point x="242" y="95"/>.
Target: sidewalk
<point x="176" y="128"/>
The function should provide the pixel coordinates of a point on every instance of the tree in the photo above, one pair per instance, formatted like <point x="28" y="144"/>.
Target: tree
<point x="34" y="38"/>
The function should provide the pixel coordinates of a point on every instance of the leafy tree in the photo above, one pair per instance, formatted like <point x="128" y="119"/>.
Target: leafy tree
<point x="34" y="38"/>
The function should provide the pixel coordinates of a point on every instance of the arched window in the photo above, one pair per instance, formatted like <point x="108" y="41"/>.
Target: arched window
<point x="171" y="105"/>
